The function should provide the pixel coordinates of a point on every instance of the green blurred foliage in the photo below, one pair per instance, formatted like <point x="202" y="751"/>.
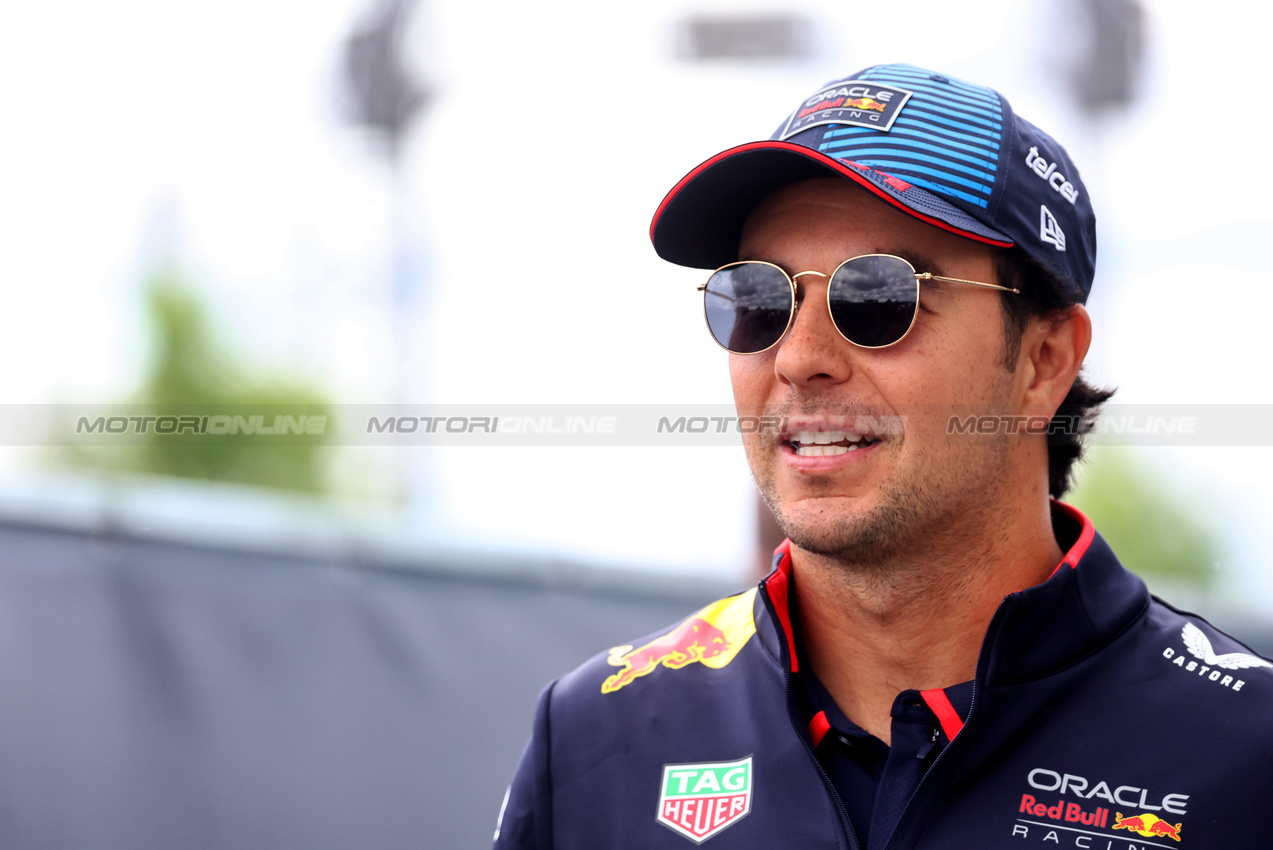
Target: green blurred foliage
<point x="1155" y="529"/>
<point x="191" y="372"/>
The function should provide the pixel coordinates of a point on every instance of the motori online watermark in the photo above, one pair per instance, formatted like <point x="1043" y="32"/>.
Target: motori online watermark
<point x="281" y="424"/>
<point x="1118" y="424"/>
<point x="722" y="424"/>
<point x="312" y="425"/>
<point x="582" y="425"/>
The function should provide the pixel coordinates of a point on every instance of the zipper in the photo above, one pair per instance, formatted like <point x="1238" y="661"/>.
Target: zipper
<point x="972" y="709"/>
<point x="932" y="742"/>
<point x="794" y="717"/>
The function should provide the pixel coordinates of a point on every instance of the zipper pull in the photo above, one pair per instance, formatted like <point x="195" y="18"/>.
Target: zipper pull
<point x="928" y="748"/>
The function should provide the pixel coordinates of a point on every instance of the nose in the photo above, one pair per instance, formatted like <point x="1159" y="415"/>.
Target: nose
<point x="813" y="352"/>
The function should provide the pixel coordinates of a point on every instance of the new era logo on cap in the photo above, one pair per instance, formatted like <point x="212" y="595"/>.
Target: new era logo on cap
<point x="1049" y="231"/>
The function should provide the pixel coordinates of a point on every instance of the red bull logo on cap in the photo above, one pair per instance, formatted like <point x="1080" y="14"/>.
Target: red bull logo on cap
<point x="712" y="636"/>
<point x="864" y="103"/>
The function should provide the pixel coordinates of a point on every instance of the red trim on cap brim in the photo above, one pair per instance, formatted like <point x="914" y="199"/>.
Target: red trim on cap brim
<point x="829" y="162"/>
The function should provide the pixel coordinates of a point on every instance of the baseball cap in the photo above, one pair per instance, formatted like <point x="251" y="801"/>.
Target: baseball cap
<point x="950" y="153"/>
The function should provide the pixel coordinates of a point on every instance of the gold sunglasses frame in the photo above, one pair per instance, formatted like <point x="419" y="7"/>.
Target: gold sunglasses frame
<point x="795" y="302"/>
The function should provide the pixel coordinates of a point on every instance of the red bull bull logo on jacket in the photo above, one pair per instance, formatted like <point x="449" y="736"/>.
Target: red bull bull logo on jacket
<point x="712" y="636"/>
<point x="1147" y="825"/>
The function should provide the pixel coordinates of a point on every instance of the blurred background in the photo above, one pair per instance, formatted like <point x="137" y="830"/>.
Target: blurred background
<point x="434" y="202"/>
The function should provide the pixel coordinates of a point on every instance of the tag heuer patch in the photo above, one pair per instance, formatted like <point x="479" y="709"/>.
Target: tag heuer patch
<point x="699" y="800"/>
<point x="859" y="102"/>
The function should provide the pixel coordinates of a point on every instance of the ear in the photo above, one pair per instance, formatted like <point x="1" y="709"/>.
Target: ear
<point x="1052" y="350"/>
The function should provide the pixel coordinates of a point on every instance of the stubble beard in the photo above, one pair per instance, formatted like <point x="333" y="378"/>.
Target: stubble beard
<point x="917" y="511"/>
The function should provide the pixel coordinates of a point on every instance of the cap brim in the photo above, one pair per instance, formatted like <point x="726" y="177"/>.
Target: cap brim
<point x="699" y="222"/>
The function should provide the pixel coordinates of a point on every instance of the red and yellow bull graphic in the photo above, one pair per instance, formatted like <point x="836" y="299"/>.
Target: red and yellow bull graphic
<point x="1147" y="825"/>
<point x="712" y="636"/>
<point x="842" y="103"/>
<point x="864" y="103"/>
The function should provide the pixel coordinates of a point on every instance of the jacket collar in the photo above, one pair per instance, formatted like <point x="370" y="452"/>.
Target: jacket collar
<point x="1087" y="601"/>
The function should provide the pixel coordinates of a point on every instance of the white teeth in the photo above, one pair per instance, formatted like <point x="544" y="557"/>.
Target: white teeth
<point x="822" y="438"/>
<point x="805" y="442"/>
<point x="824" y="451"/>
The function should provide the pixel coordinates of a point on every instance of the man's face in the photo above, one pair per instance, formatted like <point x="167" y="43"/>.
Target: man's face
<point x="911" y="489"/>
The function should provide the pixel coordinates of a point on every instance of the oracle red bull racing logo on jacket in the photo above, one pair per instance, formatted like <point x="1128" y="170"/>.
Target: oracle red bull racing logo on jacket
<point x="1070" y="805"/>
<point x="713" y="636"/>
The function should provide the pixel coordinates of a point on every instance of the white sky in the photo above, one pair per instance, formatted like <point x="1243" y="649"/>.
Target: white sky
<point x="557" y="128"/>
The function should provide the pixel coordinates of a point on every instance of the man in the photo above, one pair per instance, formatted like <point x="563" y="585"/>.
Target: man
<point x="943" y="656"/>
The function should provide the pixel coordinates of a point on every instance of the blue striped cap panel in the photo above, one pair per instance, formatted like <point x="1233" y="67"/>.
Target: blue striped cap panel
<point x="944" y="135"/>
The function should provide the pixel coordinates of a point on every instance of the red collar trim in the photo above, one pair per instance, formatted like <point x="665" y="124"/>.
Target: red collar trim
<point x="1088" y="533"/>
<point x="819" y="726"/>
<point x="950" y="720"/>
<point x="778" y="585"/>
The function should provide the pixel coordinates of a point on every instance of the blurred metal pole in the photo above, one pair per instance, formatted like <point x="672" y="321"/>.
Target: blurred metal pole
<point x="750" y="38"/>
<point x="1105" y="77"/>
<point x="386" y="98"/>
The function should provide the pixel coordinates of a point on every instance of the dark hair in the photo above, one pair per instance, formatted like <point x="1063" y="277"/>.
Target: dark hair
<point x="1043" y="296"/>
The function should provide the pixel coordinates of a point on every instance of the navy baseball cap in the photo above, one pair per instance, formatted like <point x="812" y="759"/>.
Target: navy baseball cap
<point x="950" y="153"/>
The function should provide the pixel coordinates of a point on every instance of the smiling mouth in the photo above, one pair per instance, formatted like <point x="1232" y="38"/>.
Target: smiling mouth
<point x="828" y="443"/>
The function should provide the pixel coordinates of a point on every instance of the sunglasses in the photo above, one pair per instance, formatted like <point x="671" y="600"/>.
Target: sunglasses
<point x="873" y="300"/>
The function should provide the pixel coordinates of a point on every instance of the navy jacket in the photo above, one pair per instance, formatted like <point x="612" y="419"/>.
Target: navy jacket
<point x="1101" y="718"/>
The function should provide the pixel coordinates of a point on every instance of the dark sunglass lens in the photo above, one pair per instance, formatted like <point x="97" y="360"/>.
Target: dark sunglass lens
<point x="748" y="306"/>
<point x="873" y="299"/>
